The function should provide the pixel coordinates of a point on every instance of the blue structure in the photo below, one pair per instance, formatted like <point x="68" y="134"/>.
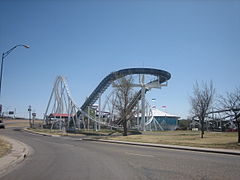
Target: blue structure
<point x="167" y="121"/>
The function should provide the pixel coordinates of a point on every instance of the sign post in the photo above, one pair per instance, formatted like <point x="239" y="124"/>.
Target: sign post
<point x="0" y="109"/>
<point x="29" y="111"/>
<point x="34" y="116"/>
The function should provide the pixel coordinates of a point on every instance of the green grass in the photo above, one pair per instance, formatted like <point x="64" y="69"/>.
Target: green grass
<point x="5" y="147"/>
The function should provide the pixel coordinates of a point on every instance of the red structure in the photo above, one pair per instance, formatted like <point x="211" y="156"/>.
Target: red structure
<point x="58" y="115"/>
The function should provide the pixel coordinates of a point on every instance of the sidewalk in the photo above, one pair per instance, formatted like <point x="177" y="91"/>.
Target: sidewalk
<point x="18" y="153"/>
<point x="188" y="148"/>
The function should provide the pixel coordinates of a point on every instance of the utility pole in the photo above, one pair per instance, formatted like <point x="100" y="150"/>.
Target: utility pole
<point x="0" y="109"/>
<point x="34" y="116"/>
<point x="29" y="111"/>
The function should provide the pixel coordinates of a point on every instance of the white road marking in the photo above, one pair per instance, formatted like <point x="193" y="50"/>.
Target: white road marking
<point x="145" y="155"/>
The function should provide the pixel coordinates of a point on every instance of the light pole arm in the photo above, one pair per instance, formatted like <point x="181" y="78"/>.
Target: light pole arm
<point x="10" y="50"/>
<point x="5" y="55"/>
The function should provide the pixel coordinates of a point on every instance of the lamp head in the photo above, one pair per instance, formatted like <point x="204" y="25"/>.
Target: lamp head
<point x="26" y="46"/>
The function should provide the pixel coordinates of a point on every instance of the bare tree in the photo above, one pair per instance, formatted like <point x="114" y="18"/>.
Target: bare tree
<point x="201" y="102"/>
<point x="231" y="106"/>
<point x="123" y="96"/>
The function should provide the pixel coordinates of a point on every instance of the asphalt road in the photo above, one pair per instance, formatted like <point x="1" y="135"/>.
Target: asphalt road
<point x="57" y="158"/>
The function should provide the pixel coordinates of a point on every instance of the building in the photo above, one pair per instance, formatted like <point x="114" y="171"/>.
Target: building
<point x="158" y="120"/>
<point x="166" y="121"/>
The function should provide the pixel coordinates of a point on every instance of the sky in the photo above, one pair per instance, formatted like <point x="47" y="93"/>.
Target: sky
<point x="84" y="41"/>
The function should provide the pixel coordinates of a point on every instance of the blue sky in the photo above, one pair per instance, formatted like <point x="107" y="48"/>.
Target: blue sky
<point x="194" y="40"/>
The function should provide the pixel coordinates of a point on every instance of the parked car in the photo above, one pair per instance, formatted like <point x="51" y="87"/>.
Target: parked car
<point x="2" y="126"/>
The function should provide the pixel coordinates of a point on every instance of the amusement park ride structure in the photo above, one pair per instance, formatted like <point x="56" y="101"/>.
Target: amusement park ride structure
<point x="62" y="112"/>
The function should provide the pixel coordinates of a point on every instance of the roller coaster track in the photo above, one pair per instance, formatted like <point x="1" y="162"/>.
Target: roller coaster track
<point x="163" y="76"/>
<point x="65" y="103"/>
<point x="222" y="111"/>
<point x="135" y="100"/>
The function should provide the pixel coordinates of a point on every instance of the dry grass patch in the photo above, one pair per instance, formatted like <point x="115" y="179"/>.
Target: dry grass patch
<point x="20" y="123"/>
<point x="103" y="132"/>
<point x="186" y="138"/>
<point x="48" y="131"/>
<point x="5" y="147"/>
<point x="53" y="132"/>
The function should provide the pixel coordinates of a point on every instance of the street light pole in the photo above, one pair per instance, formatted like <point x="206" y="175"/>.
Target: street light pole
<point x="1" y="74"/>
<point x="5" y="55"/>
<point x="29" y="111"/>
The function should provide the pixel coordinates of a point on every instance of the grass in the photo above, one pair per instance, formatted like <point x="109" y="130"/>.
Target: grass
<point x="5" y="147"/>
<point x="226" y="140"/>
<point x="48" y="131"/>
<point x="19" y="123"/>
<point x="103" y="132"/>
<point x="90" y="132"/>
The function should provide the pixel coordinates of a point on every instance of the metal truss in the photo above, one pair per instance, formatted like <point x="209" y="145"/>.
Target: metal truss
<point x="63" y="113"/>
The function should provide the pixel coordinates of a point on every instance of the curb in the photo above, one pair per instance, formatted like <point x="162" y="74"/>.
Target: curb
<point x="40" y="133"/>
<point x="47" y="134"/>
<point x="188" y="148"/>
<point x="18" y="153"/>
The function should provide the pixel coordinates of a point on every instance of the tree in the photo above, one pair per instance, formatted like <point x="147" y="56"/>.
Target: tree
<point x="231" y="106"/>
<point x="184" y="124"/>
<point x="201" y="102"/>
<point x="124" y="94"/>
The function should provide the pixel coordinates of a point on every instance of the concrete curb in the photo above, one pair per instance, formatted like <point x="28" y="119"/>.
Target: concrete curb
<point x="50" y="135"/>
<point x="40" y="133"/>
<point x="18" y="153"/>
<point x="188" y="148"/>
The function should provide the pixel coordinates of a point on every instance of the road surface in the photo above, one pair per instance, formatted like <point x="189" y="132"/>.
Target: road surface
<point x="57" y="158"/>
